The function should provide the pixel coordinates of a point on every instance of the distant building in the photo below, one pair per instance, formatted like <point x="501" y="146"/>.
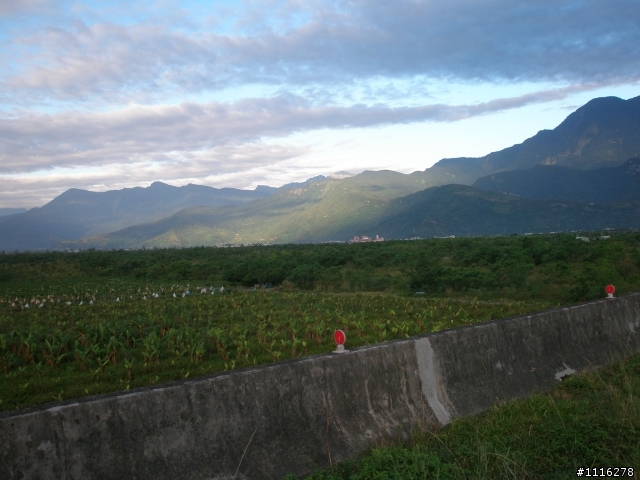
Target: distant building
<point x="365" y="239"/>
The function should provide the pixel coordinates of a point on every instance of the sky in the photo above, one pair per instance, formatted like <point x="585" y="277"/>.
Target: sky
<point x="108" y="95"/>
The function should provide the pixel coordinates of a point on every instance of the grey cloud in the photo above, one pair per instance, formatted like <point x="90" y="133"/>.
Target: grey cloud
<point x="12" y="7"/>
<point x="166" y="133"/>
<point x="467" y="40"/>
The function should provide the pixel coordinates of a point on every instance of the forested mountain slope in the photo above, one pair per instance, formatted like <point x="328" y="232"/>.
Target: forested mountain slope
<point x="607" y="185"/>
<point x="603" y="132"/>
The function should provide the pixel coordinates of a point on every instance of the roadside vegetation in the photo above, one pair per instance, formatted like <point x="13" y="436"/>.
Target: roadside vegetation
<point x="589" y="421"/>
<point x="76" y="324"/>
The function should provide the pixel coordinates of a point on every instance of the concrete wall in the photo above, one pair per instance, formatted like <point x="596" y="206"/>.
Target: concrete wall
<point x="302" y="415"/>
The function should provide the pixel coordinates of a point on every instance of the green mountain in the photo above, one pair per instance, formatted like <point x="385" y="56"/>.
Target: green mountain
<point x="330" y="211"/>
<point x="322" y="211"/>
<point x="104" y="212"/>
<point x="603" y="185"/>
<point x="603" y="132"/>
<point x="462" y="210"/>
<point x="77" y="213"/>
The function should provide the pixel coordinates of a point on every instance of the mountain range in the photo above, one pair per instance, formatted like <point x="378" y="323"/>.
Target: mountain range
<point x="11" y="211"/>
<point x="79" y="213"/>
<point x="546" y="183"/>
<point x="604" y="185"/>
<point x="603" y="133"/>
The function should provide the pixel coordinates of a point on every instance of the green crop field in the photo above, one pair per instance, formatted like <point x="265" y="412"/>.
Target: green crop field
<point x="76" y="324"/>
<point x="128" y="337"/>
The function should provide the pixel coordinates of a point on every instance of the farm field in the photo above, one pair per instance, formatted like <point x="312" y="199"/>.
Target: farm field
<point x="77" y="324"/>
<point x="130" y="338"/>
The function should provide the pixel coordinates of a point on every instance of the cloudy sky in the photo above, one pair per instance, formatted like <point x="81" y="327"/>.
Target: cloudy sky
<point x="105" y="95"/>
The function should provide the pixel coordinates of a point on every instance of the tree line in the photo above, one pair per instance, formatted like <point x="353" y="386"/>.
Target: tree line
<point x="538" y="266"/>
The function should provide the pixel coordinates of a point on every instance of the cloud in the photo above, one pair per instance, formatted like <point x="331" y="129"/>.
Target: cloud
<point x="243" y="166"/>
<point x="13" y="7"/>
<point x="118" y="79"/>
<point x="167" y="133"/>
<point x="572" y="41"/>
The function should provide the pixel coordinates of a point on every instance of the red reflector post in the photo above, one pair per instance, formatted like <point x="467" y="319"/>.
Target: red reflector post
<point x="609" y="289"/>
<point x="340" y="338"/>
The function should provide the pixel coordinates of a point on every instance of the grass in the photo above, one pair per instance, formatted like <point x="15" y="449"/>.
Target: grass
<point x="588" y="421"/>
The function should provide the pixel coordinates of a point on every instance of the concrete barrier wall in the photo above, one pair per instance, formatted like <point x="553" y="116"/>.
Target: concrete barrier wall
<point x="302" y="415"/>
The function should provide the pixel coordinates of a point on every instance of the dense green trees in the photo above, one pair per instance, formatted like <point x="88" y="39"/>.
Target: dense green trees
<point x="556" y="267"/>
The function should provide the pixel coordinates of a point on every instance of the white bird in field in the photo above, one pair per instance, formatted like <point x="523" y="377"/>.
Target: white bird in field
<point x="91" y="302"/>
<point x="118" y="299"/>
<point x="41" y="305"/>
<point x="174" y="295"/>
<point x="26" y="306"/>
<point x="80" y="302"/>
<point x="144" y="297"/>
<point x="68" y="303"/>
<point x="184" y="294"/>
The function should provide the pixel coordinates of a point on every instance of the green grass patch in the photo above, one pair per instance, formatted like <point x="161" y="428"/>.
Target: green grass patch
<point x="591" y="420"/>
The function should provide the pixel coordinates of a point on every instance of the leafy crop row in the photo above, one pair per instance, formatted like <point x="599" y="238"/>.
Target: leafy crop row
<point x="64" y="351"/>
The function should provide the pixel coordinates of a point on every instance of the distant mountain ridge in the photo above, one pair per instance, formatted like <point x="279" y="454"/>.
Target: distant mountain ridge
<point x="604" y="185"/>
<point x="107" y="211"/>
<point x="436" y="211"/>
<point x="77" y="213"/>
<point x="461" y="210"/>
<point x="321" y="211"/>
<point x="603" y="133"/>
<point x="11" y="211"/>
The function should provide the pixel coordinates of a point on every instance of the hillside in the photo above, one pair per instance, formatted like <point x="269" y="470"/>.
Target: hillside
<point x="322" y="211"/>
<point x="77" y="213"/>
<point x="463" y="210"/>
<point x="108" y="211"/>
<point x="606" y="185"/>
<point x="603" y="132"/>
<point x="11" y="211"/>
<point x="330" y="211"/>
<point x="37" y="230"/>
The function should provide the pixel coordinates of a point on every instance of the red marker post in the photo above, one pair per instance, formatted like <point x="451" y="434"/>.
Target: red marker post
<point x="340" y="337"/>
<point x="609" y="289"/>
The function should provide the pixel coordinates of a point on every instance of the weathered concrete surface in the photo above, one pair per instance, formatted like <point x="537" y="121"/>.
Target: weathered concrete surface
<point x="301" y="415"/>
<point x="480" y="365"/>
